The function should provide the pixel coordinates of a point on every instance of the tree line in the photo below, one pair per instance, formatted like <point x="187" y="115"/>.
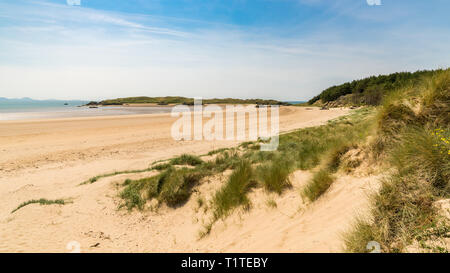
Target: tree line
<point x="372" y="88"/>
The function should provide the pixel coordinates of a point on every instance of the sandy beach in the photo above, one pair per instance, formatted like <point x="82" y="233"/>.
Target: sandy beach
<point x="50" y="158"/>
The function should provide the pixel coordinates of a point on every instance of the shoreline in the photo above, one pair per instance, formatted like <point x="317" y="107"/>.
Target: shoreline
<point x="80" y="112"/>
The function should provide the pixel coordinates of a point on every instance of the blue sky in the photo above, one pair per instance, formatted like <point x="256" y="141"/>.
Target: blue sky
<point x="281" y="49"/>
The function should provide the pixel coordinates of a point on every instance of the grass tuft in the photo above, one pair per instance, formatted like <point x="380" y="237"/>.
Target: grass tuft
<point x="217" y="151"/>
<point x="176" y="185"/>
<point x="271" y="203"/>
<point x="186" y="159"/>
<point x="200" y="202"/>
<point x="274" y="176"/>
<point x="333" y="157"/>
<point x="96" y="178"/>
<point x="41" y="201"/>
<point x="206" y="230"/>
<point x="436" y="99"/>
<point x="234" y="193"/>
<point x="136" y="192"/>
<point x="357" y="239"/>
<point x="161" y="166"/>
<point x="318" y="185"/>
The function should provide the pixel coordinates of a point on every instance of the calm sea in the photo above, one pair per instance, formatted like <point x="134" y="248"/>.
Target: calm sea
<point x="18" y="110"/>
<point x="56" y="109"/>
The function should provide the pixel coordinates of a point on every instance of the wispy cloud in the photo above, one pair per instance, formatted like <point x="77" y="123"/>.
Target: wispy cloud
<point x="45" y="12"/>
<point x="54" y="50"/>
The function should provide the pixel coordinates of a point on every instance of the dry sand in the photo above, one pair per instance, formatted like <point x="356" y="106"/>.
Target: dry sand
<point x="49" y="159"/>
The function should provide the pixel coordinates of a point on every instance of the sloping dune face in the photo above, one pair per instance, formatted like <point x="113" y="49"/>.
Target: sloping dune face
<point x="295" y="225"/>
<point x="50" y="158"/>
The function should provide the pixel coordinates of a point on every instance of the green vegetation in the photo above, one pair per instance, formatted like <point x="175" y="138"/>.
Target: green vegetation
<point x="308" y="147"/>
<point x="186" y="159"/>
<point x="175" y="185"/>
<point x="301" y="149"/>
<point x="274" y="175"/>
<point x="206" y="230"/>
<point x="172" y="187"/>
<point x="161" y="166"/>
<point x="136" y="192"/>
<point x="233" y="194"/>
<point x="185" y="101"/>
<point x="271" y="203"/>
<point x="182" y="160"/>
<point x="200" y="202"/>
<point x="319" y="184"/>
<point x="41" y="201"/>
<point x="223" y="161"/>
<point x="416" y="145"/>
<point x="95" y="178"/>
<point x="370" y="91"/>
<point x="216" y="151"/>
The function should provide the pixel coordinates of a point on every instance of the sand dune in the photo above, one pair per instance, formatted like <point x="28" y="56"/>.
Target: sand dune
<point x="49" y="159"/>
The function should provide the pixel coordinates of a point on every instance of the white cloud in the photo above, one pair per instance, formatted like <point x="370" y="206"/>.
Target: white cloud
<point x="57" y="51"/>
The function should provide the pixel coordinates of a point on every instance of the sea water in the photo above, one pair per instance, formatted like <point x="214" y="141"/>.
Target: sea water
<point x="56" y="109"/>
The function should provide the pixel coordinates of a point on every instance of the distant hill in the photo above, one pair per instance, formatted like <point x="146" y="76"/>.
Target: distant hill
<point x="2" y="99"/>
<point x="185" y="101"/>
<point x="30" y="100"/>
<point x="370" y="90"/>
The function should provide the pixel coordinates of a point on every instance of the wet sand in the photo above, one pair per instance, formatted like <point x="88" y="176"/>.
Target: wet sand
<point x="82" y="111"/>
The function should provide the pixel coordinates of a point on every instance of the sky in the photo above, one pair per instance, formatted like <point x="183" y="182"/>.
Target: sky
<point x="270" y="49"/>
